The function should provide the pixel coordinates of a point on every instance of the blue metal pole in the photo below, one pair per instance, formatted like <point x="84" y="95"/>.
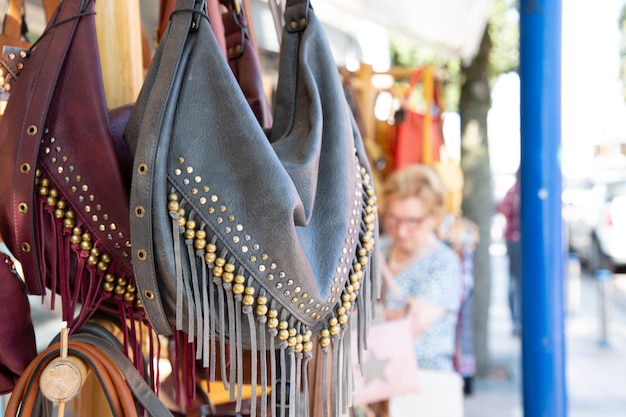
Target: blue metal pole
<point x="543" y="340"/>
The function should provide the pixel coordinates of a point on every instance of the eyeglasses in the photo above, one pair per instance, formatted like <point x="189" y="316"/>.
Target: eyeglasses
<point x="393" y="222"/>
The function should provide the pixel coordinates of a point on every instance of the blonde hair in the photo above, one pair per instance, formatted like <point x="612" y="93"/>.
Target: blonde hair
<point x="418" y="181"/>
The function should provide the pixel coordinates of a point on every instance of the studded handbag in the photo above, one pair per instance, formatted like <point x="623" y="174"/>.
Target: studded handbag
<point x="246" y="239"/>
<point x="65" y="184"/>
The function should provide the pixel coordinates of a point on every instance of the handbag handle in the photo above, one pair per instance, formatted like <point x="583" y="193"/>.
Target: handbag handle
<point x="118" y="377"/>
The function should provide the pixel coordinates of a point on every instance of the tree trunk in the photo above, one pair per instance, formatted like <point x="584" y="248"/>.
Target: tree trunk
<point x="474" y="105"/>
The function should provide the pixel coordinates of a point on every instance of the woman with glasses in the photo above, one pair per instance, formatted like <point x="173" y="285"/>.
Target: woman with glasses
<point x="422" y="280"/>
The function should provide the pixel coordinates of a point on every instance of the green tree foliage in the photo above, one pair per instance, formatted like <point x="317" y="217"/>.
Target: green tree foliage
<point x="504" y="55"/>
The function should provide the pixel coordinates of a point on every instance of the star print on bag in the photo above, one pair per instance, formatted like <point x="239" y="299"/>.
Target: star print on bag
<point x="389" y="365"/>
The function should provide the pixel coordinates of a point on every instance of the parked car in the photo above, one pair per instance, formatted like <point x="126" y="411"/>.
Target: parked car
<point x="595" y="215"/>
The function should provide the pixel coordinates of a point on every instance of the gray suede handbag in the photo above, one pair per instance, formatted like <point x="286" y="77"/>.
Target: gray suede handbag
<point x="248" y="240"/>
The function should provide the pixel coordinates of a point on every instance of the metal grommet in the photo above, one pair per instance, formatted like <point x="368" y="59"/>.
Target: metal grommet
<point x="148" y="294"/>
<point x="142" y="169"/>
<point x="25" y="168"/>
<point x="142" y="255"/>
<point x="31" y="130"/>
<point x="25" y="247"/>
<point x="140" y="211"/>
<point x="22" y="208"/>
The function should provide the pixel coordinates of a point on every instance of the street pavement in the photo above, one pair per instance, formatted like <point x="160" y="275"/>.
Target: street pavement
<point x="595" y="371"/>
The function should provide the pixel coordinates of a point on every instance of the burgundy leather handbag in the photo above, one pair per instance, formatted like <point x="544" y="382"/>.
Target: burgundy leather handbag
<point x="66" y="172"/>
<point x="17" y="344"/>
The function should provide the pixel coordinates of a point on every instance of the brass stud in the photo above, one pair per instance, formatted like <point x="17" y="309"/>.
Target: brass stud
<point x="228" y="277"/>
<point x="238" y="288"/>
<point x="293" y="24"/>
<point x="248" y="300"/>
<point x="261" y="309"/>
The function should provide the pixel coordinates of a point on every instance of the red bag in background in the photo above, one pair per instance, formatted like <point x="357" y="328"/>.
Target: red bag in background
<point x="17" y="344"/>
<point x="415" y="142"/>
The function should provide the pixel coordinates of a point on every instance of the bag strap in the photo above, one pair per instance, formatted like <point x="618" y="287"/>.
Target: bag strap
<point x="117" y="375"/>
<point x="26" y="395"/>
<point x="213" y="9"/>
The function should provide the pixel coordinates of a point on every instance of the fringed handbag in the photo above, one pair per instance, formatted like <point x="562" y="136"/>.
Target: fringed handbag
<point x="65" y="184"/>
<point x="247" y="239"/>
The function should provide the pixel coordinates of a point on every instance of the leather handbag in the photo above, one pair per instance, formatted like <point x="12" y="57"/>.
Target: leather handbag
<point x="125" y="390"/>
<point x="416" y="140"/>
<point x="259" y="240"/>
<point x="65" y="188"/>
<point x="17" y="344"/>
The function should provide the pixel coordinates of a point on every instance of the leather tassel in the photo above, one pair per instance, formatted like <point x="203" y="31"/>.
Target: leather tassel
<point x="189" y="294"/>
<point x="305" y="381"/>
<point x="43" y="265"/>
<point x="262" y="319"/>
<point x="205" y="284"/>
<point x="57" y="243"/>
<point x="325" y="353"/>
<point x="48" y="212"/>
<point x="212" y="324"/>
<point x="273" y="378"/>
<point x="197" y="295"/>
<point x="292" y="381"/>
<point x="346" y="371"/>
<point x="80" y="269"/>
<point x="283" y="378"/>
<point x="176" y="232"/>
<point x="336" y="389"/>
<point x="238" y="344"/>
<point x="247" y="309"/>
<point x="228" y="289"/>
<point x="222" y="328"/>
<point x="297" y="405"/>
